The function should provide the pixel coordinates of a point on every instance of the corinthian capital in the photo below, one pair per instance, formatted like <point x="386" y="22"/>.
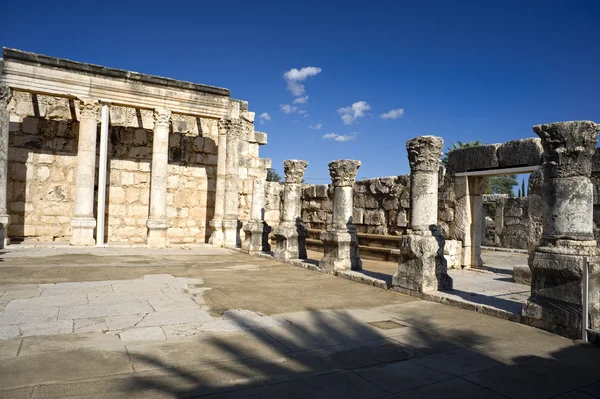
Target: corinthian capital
<point x="89" y="108"/>
<point x="424" y="153"/>
<point x="294" y="170"/>
<point x="5" y="95"/>
<point x="343" y="172"/>
<point x="162" y="117"/>
<point x="568" y="147"/>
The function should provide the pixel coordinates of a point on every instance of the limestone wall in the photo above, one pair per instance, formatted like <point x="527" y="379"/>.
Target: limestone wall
<point x="43" y="158"/>
<point x="273" y="203"/>
<point x="380" y="205"/>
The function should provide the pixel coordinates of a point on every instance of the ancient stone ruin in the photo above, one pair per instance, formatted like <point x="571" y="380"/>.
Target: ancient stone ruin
<point x="93" y="156"/>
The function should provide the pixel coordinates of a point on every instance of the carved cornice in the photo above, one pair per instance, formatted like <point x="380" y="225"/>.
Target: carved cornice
<point x="568" y="147"/>
<point x="5" y="95"/>
<point x="343" y="172"/>
<point x="424" y="153"/>
<point x="162" y="117"/>
<point x="294" y="170"/>
<point x="89" y="108"/>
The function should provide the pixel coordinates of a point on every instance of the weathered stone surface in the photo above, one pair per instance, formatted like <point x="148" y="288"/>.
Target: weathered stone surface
<point x="525" y="152"/>
<point x="343" y="172"/>
<point x="424" y="153"/>
<point x="422" y="266"/>
<point x="473" y="158"/>
<point x="294" y="170"/>
<point x="340" y="251"/>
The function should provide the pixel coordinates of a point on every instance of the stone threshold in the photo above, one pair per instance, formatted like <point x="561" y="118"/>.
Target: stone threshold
<point x="502" y="249"/>
<point x="66" y="244"/>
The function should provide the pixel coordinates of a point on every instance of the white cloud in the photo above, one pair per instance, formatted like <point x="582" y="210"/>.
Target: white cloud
<point x="287" y="108"/>
<point x="294" y="76"/>
<point x="353" y="112"/>
<point x="301" y="111"/>
<point x="300" y="100"/>
<point x="265" y="116"/>
<point x="393" y="114"/>
<point x="301" y="74"/>
<point x="318" y="126"/>
<point x="262" y="122"/>
<point x="340" y="137"/>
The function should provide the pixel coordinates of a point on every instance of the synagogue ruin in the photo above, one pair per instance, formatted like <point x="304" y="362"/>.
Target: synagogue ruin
<point x="96" y="156"/>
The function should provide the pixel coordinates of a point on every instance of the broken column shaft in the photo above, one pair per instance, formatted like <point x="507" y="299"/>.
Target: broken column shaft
<point x="567" y="240"/>
<point x="422" y="266"/>
<point x="339" y="240"/>
<point x="290" y="235"/>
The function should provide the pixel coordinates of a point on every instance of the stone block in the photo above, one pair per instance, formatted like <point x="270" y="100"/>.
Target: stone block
<point x="340" y="251"/>
<point x="321" y="191"/>
<point x="596" y="161"/>
<point x="453" y="254"/>
<point x="390" y="203"/>
<point x="374" y="217"/>
<point x="473" y="158"/>
<point x="401" y="220"/>
<point x="525" y="152"/>
<point x="358" y="215"/>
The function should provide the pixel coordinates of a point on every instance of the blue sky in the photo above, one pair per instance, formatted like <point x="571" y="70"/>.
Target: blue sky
<point x="465" y="70"/>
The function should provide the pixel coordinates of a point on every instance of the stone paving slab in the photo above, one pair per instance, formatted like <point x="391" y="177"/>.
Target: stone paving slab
<point x="297" y="334"/>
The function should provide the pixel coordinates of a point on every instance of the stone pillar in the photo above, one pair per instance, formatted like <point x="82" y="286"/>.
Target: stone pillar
<point x="469" y="217"/>
<point x="254" y="230"/>
<point x="83" y="221"/>
<point x="290" y="235"/>
<point x="157" y="223"/>
<point x="499" y="221"/>
<point x="422" y="266"/>
<point x="567" y="240"/>
<point x="233" y="128"/>
<point x="217" y="237"/>
<point x="339" y="240"/>
<point x="5" y="96"/>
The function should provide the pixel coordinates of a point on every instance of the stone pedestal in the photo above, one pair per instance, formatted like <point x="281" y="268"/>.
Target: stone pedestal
<point x="421" y="265"/>
<point x="158" y="223"/>
<point x="83" y="221"/>
<point x="217" y="237"/>
<point x="339" y="240"/>
<point x="5" y="96"/>
<point x="290" y="235"/>
<point x="567" y="240"/>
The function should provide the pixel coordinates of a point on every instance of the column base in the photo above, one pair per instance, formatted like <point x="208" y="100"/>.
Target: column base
<point x="556" y="290"/>
<point x="290" y="241"/>
<point x="82" y="232"/>
<point x="157" y="232"/>
<point x="422" y="266"/>
<point x="231" y="235"/>
<point x="4" y="222"/>
<point x="217" y="237"/>
<point x="254" y="232"/>
<point x="340" y="250"/>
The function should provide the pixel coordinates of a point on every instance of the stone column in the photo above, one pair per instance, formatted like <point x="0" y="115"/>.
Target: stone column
<point x="290" y="235"/>
<point x="5" y="96"/>
<point x="217" y="237"/>
<point x="157" y="223"/>
<point x="83" y="221"/>
<point x="230" y="221"/>
<point x="499" y="221"/>
<point x="422" y="266"/>
<point x="255" y="228"/>
<point x="339" y="240"/>
<point x="469" y="217"/>
<point x="567" y="240"/>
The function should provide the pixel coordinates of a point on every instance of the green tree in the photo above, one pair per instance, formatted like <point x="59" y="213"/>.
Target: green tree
<point x="272" y="175"/>
<point x="523" y="188"/>
<point x="493" y="184"/>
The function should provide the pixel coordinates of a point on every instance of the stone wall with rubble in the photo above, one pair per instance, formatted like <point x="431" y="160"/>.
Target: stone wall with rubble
<point x="380" y="205"/>
<point x="43" y="159"/>
<point x="596" y="182"/>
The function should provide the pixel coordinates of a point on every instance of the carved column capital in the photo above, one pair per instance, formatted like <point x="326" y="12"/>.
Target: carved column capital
<point x="89" y="108"/>
<point x="162" y="117"/>
<point x="424" y="153"/>
<point x="5" y="95"/>
<point x="343" y="172"/>
<point x="568" y="147"/>
<point x="294" y="170"/>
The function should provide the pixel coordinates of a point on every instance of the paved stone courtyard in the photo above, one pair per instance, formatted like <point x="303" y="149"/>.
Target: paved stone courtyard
<point x="186" y="322"/>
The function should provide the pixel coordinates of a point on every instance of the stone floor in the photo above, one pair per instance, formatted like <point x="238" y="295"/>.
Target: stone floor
<point x="189" y="322"/>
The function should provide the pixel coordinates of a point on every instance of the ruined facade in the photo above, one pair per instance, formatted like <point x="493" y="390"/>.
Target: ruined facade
<point x="163" y="143"/>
